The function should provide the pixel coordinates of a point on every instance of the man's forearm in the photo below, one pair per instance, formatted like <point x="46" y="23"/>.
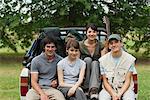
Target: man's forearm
<point x="37" y="87"/>
<point x="126" y="84"/>
<point x="108" y="87"/>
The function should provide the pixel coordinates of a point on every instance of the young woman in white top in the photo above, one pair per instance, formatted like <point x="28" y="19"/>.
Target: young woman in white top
<point x="71" y="72"/>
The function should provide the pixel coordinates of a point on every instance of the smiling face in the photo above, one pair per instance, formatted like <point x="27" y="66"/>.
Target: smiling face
<point x="50" y="49"/>
<point x="72" y="49"/>
<point x="115" y="46"/>
<point x="73" y="53"/>
<point x="91" y="34"/>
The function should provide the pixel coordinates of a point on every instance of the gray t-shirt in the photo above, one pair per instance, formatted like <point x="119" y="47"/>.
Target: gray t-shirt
<point x="46" y="70"/>
<point x="71" y="71"/>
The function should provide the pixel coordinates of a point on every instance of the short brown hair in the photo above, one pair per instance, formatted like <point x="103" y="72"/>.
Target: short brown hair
<point x="48" y="40"/>
<point x="72" y="43"/>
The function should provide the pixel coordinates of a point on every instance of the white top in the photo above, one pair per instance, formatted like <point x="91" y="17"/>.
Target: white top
<point x="71" y="71"/>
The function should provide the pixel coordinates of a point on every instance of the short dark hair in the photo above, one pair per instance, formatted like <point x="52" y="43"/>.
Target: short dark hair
<point x="92" y="26"/>
<point x="72" y="43"/>
<point x="48" y="40"/>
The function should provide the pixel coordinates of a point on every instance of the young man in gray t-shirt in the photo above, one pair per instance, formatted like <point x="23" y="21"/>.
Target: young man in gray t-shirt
<point x="43" y="74"/>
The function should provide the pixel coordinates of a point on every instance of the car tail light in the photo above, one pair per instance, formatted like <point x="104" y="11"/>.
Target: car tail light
<point x="135" y="79"/>
<point x="24" y="86"/>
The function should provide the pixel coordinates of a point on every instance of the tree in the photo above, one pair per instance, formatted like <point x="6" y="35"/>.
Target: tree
<point x="14" y="28"/>
<point x="18" y="19"/>
<point x="131" y="18"/>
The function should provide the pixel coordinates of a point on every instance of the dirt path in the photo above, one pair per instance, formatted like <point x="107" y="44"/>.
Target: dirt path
<point x="145" y="61"/>
<point x="4" y="59"/>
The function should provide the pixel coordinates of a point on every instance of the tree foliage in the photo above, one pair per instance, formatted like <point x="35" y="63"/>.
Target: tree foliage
<point x="19" y="19"/>
<point x="131" y="18"/>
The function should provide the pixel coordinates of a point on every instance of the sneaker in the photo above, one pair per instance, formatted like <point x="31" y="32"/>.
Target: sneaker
<point x="94" y="94"/>
<point x="94" y="97"/>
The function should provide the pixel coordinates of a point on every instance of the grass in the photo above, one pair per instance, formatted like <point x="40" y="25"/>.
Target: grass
<point x="9" y="53"/>
<point x="144" y="81"/>
<point x="8" y="50"/>
<point x="9" y="80"/>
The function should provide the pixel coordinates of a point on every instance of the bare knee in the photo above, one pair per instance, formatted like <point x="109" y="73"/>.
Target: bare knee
<point x="88" y="59"/>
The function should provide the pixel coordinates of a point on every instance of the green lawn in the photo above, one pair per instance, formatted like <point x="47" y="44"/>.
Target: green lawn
<point x="9" y="81"/>
<point x="144" y="82"/>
